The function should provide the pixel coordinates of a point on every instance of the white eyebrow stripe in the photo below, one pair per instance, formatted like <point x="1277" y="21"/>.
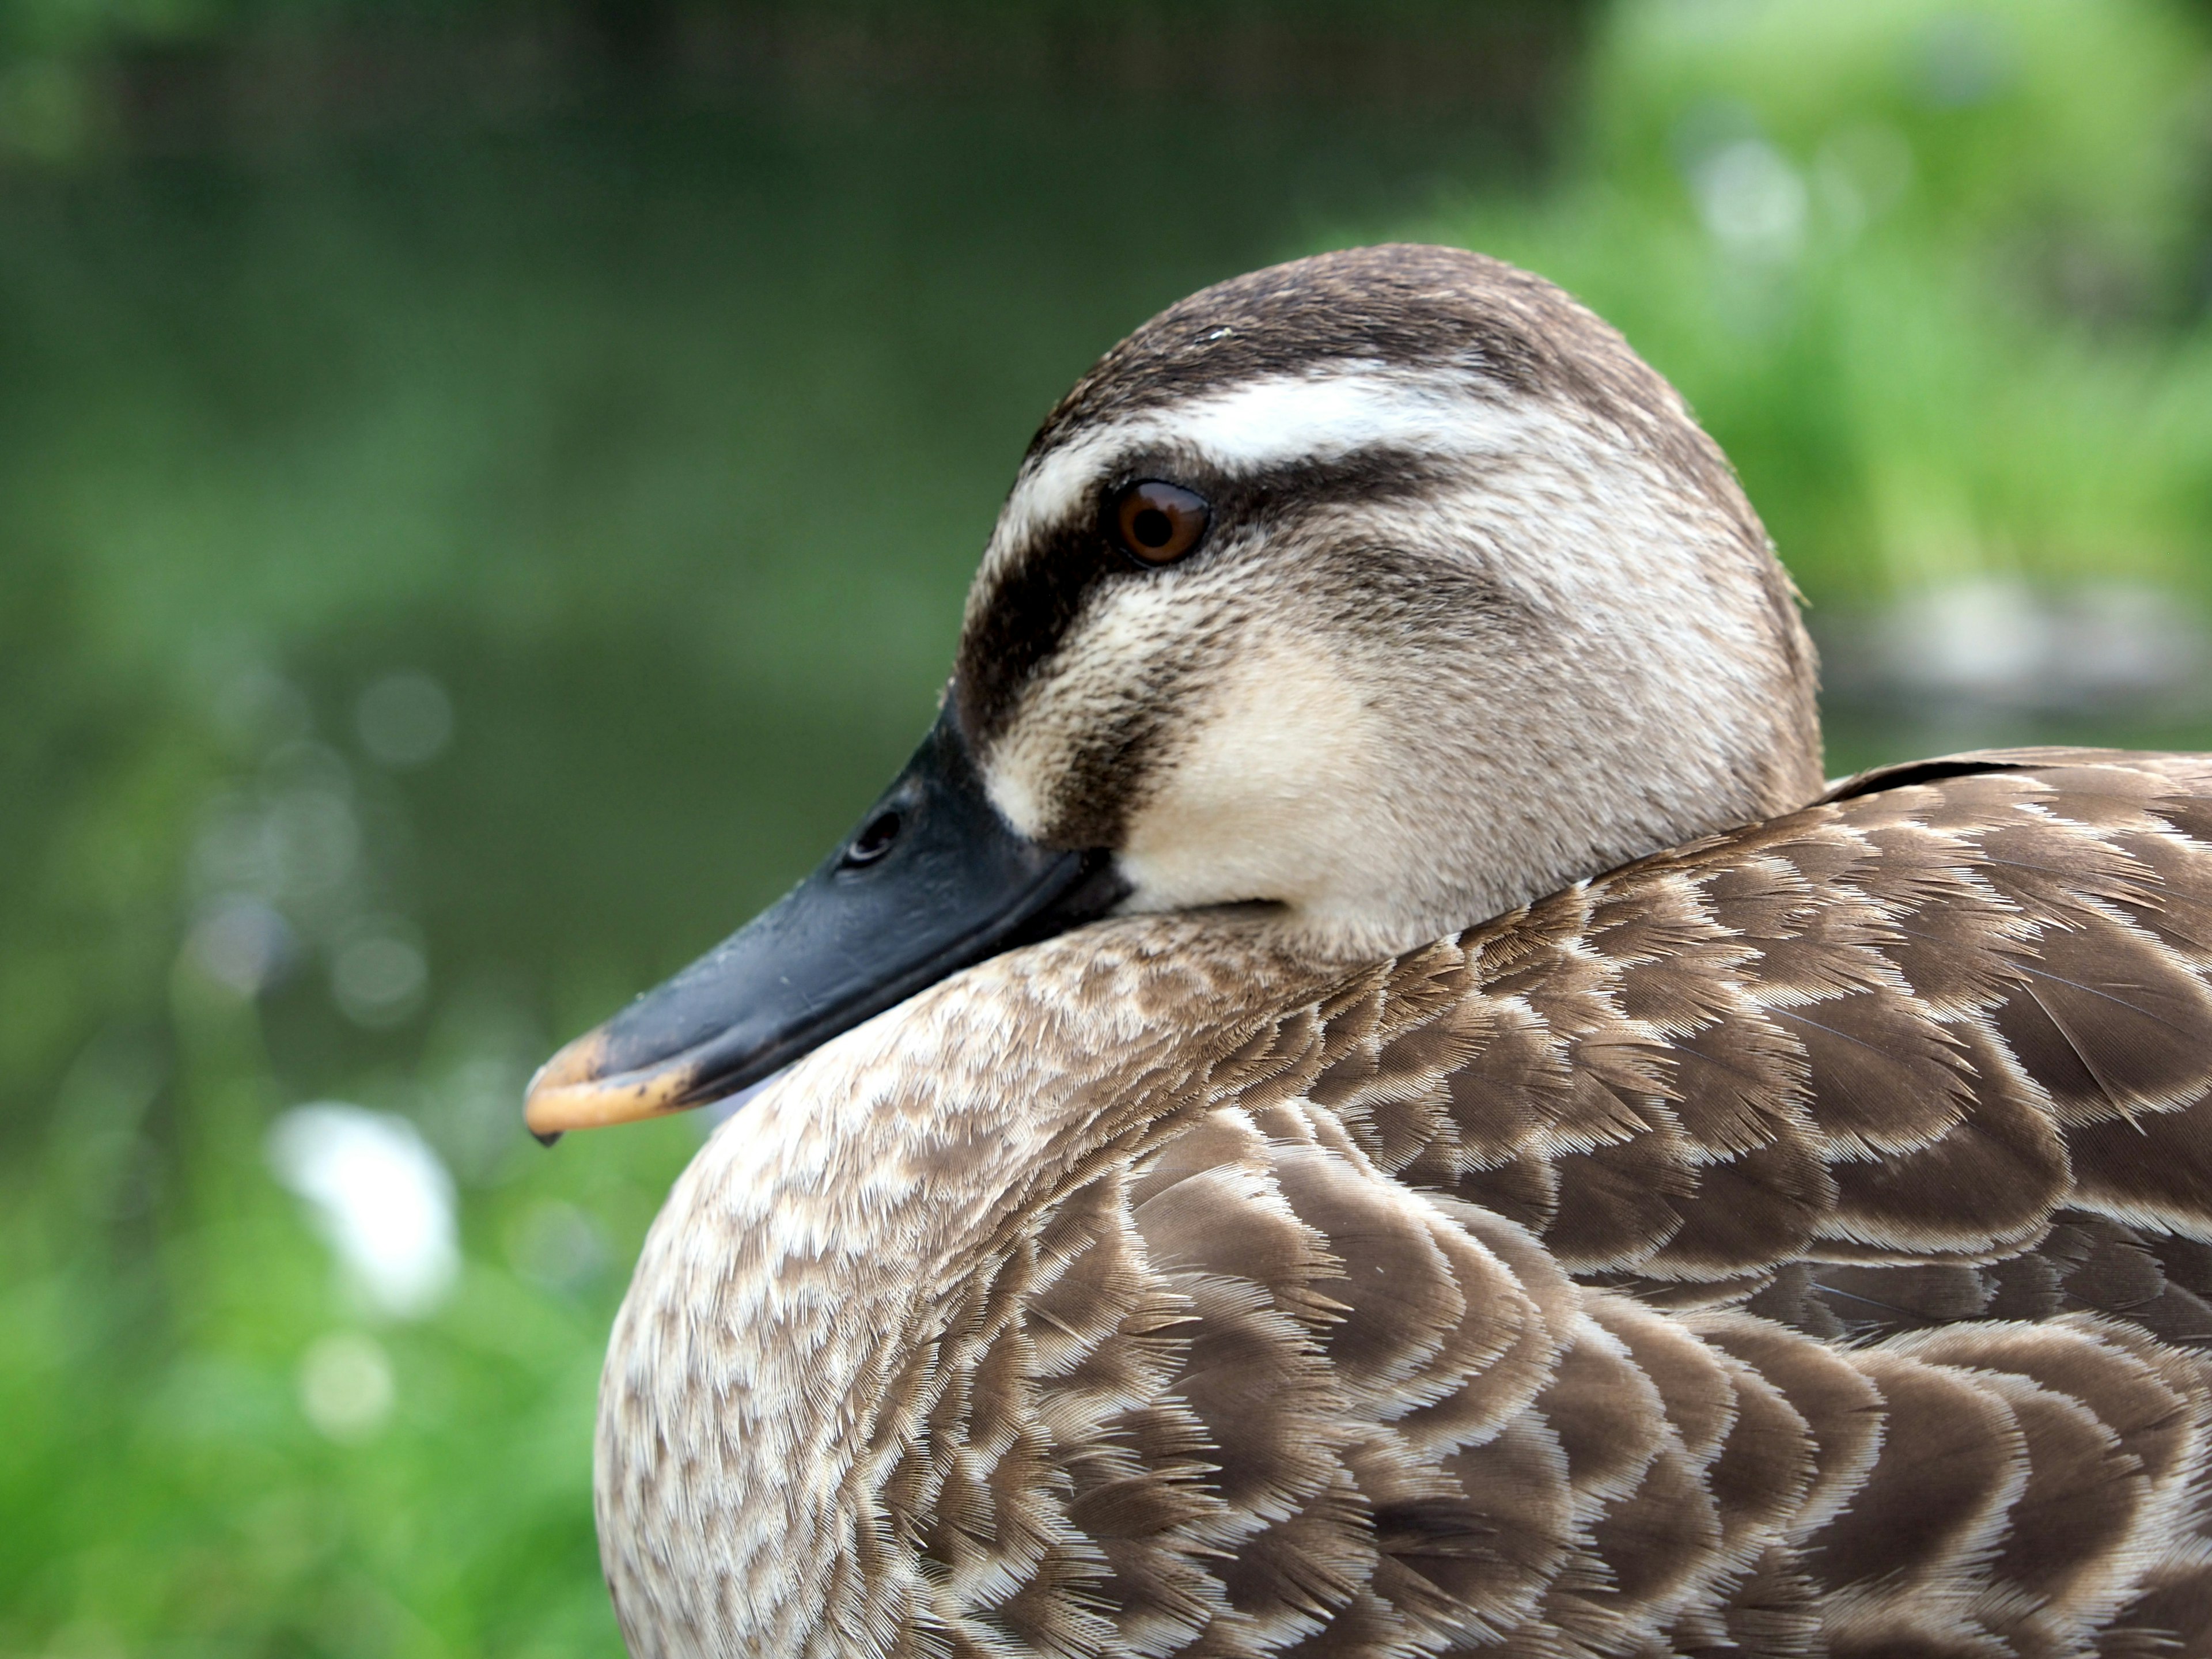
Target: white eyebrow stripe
<point x="1267" y="423"/>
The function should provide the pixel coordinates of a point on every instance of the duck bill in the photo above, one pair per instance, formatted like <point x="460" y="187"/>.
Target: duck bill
<point x="933" y="881"/>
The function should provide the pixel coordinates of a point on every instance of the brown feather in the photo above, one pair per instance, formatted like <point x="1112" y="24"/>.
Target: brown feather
<point x="1285" y="1352"/>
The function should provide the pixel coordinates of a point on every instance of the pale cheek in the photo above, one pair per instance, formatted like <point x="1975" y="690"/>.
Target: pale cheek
<point x="1011" y="784"/>
<point x="1266" y="800"/>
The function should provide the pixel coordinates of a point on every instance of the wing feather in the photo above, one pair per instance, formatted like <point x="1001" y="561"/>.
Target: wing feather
<point x="1798" y="1243"/>
<point x="1910" y="1023"/>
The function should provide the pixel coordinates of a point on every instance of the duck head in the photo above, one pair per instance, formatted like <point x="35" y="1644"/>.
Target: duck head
<point x="1384" y="591"/>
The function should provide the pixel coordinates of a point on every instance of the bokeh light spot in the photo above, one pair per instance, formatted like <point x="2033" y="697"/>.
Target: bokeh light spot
<point x="378" y="1195"/>
<point x="404" y="719"/>
<point x="346" y="1386"/>
<point x="241" y="943"/>
<point x="377" y="973"/>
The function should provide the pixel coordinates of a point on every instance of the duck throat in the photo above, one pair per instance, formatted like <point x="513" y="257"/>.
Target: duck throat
<point x="799" y="1303"/>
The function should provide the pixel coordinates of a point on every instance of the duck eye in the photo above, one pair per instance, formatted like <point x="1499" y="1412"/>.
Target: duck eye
<point x="1159" y="523"/>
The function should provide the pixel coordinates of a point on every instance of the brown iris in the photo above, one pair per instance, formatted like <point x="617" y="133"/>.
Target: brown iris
<point x="1158" y="522"/>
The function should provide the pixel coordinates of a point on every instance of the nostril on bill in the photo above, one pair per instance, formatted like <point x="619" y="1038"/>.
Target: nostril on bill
<point x="874" y="840"/>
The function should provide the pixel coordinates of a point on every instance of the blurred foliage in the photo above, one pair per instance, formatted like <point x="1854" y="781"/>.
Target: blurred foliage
<point x="1935" y="274"/>
<point x="665" y="448"/>
<point x="91" y="28"/>
<point x="80" y="79"/>
<point x="662" y="448"/>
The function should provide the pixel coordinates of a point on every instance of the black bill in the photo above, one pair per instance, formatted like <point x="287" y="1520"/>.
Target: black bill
<point x="932" y="881"/>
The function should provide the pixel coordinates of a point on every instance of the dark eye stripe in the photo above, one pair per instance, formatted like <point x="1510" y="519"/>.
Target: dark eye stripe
<point x="1035" y="601"/>
<point x="1029" y="610"/>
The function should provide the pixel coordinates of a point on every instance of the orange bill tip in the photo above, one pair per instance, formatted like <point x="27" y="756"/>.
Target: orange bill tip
<point x="570" y="1092"/>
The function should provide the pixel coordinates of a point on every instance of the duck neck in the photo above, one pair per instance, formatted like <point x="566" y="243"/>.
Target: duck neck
<point x="761" y="1379"/>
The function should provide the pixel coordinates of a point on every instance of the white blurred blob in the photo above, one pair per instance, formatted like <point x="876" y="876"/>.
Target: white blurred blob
<point x="1750" y="199"/>
<point x="377" y="972"/>
<point x="404" y="719"/>
<point x="378" y="1195"/>
<point x="2000" y="641"/>
<point x="346" y="1386"/>
<point x="557" y="1246"/>
<point x="1982" y="637"/>
<point x="242" y="943"/>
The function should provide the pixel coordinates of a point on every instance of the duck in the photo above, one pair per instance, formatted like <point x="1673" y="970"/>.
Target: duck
<point x="1363" y="1095"/>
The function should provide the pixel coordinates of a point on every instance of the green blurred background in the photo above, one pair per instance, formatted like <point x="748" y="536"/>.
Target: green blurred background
<point x="486" y="488"/>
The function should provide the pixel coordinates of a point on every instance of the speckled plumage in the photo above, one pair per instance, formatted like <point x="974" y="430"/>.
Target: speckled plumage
<point x="1487" y="1296"/>
<point x="1798" y="1242"/>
